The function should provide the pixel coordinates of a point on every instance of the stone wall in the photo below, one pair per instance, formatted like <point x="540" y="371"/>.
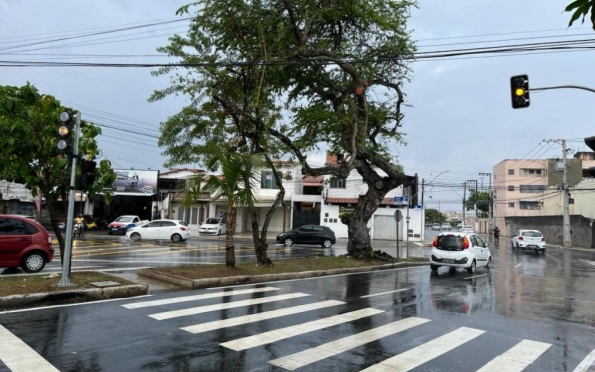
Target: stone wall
<point x="582" y="229"/>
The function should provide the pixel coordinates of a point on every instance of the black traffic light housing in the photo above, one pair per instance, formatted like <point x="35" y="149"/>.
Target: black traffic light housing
<point x="519" y="91"/>
<point x="65" y="142"/>
<point x="590" y="141"/>
<point x="88" y="172"/>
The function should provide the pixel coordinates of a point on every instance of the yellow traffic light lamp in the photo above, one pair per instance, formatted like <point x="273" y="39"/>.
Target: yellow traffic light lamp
<point x="519" y="86"/>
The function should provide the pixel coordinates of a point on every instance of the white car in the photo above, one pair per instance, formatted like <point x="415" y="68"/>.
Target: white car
<point x="529" y="239"/>
<point x="458" y="249"/>
<point x="213" y="226"/>
<point x="466" y="229"/>
<point x="446" y="227"/>
<point x="175" y="230"/>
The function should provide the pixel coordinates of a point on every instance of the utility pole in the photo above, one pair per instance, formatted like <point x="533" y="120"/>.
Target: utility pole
<point x="490" y="198"/>
<point x="423" y="214"/>
<point x="476" y="199"/>
<point x="464" y="198"/>
<point x="566" y="218"/>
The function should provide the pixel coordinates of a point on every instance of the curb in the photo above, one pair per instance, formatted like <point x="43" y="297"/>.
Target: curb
<point x="248" y="279"/>
<point x="73" y="295"/>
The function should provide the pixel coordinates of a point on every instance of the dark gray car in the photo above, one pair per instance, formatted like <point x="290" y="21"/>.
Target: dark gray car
<point x="308" y="234"/>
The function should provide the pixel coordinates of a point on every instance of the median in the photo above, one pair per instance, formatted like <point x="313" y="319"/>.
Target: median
<point x="205" y="276"/>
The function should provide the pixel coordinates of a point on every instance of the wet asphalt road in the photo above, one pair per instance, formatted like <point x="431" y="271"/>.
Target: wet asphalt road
<point x="529" y="313"/>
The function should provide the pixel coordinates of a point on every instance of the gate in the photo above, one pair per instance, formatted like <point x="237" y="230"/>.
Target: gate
<point x="305" y="213"/>
<point x="385" y="228"/>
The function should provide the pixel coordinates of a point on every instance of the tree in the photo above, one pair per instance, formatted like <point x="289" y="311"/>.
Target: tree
<point x="337" y="67"/>
<point x="235" y="185"/>
<point x="29" y="123"/>
<point x="482" y="199"/>
<point x="581" y="8"/>
<point x="434" y="216"/>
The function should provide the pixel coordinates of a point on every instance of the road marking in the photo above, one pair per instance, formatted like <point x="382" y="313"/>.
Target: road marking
<point x="332" y="276"/>
<point x="287" y="332"/>
<point x="517" y="358"/>
<point x="519" y="265"/>
<point x="20" y="357"/>
<point x="592" y="263"/>
<point x="218" y="324"/>
<point x="67" y="305"/>
<point x="387" y="292"/>
<point x="224" y="306"/>
<point x="424" y="353"/>
<point x="588" y="362"/>
<point x="303" y="358"/>
<point x="476" y="276"/>
<point x="175" y="300"/>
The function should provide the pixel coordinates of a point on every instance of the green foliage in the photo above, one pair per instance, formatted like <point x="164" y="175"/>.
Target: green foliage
<point x="433" y="215"/>
<point x="29" y="123"/>
<point x="482" y="199"/>
<point x="581" y="8"/>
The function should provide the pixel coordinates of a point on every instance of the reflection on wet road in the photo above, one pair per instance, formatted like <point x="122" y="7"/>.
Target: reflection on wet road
<point x="530" y="313"/>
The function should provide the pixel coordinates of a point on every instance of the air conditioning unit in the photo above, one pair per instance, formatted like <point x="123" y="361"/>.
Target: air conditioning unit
<point x="559" y="166"/>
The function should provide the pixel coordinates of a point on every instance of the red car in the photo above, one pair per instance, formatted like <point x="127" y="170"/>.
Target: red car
<point x="25" y="243"/>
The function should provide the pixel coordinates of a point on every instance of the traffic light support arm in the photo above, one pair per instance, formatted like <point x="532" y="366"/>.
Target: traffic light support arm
<point x="563" y="87"/>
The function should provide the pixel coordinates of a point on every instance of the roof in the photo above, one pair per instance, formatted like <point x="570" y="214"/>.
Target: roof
<point x="177" y="170"/>
<point x="313" y="181"/>
<point x="385" y="201"/>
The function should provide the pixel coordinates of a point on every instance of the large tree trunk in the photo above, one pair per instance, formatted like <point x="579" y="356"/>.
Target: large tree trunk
<point x="359" y="245"/>
<point x="230" y="256"/>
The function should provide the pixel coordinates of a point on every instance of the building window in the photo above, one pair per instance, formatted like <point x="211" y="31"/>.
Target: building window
<point x="511" y="172"/>
<point x="532" y="172"/>
<point x="532" y="189"/>
<point x="530" y="205"/>
<point x="338" y="183"/>
<point x="510" y="188"/>
<point x="511" y="205"/>
<point x="267" y="180"/>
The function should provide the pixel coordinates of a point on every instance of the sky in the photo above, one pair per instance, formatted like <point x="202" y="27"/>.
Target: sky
<point x="460" y="122"/>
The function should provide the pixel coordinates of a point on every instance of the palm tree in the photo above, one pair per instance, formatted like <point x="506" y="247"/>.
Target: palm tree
<point x="231" y="186"/>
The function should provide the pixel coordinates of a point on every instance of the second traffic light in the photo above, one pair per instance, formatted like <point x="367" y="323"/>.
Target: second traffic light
<point x="88" y="172"/>
<point x="519" y="90"/>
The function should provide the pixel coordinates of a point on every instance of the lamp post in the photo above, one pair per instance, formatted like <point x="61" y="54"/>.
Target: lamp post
<point x="490" y="202"/>
<point x="476" y="199"/>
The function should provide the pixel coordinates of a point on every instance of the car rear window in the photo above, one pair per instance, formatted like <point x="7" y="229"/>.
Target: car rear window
<point x="531" y="234"/>
<point x="450" y="243"/>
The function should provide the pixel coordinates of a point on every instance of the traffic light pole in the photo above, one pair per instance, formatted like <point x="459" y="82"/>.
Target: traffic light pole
<point x="564" y="87"/>
<point x="65" y="279"/>
<point x="565" y="198"/>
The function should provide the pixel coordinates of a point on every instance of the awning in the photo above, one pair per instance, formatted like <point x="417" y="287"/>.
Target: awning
<point x="115" y="193"/>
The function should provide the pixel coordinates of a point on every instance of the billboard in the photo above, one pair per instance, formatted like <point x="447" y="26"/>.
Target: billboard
<point x="135" y="182"/>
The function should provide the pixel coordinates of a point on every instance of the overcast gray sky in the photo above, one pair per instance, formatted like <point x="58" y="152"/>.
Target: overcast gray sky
<point x="461" y="119"/>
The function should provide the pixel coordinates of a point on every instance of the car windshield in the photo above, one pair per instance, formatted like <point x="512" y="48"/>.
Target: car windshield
<point x="450" y="242"/>
<point x="212" y="221"/>
<point x="124" y="219"/>
<point x="531" y="234"/>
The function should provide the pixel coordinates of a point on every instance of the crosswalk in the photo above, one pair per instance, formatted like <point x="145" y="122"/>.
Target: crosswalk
<point x="516" y="358"/>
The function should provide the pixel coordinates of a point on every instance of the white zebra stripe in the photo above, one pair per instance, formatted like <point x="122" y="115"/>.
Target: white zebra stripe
<point x="225" y="323"/>
<point x="298" y="360"/>
<point x="224" y="306"/>
<point x="516" y="358"/>
<point x="283" y="333"/>
<point x="175" y="300"/>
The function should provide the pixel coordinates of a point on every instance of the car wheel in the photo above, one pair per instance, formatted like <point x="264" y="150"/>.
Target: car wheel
<point x="33" y="262"/>
<point x="471" y="270"/>
<point x="327" y="243"/>
<point x="176" y="238"/>
<point x="434" y="267"/>
<point x="135" y="237"/>
<point x="489" y="265"/>
<point x="288" y="242"/>
<point x="218" y="232"/>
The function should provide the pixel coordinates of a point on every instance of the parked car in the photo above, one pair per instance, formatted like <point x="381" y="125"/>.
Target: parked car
<point x="446" y="227"/>
<point x="529" y="239"/>
<point x="175" y="230"/>
<point x="308" y="234"/>
<point x="214" y="226"/>
<point x="436" y="226"/>
<point x="25" y="243"/>
<point x="459" y="249"/>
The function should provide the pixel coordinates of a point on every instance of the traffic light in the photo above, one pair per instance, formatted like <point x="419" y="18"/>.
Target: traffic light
<point x="87" y="172"/>
<point x="519" y="90"/>
<point x="590" y="141"/>
<point x="65" y="142"/>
